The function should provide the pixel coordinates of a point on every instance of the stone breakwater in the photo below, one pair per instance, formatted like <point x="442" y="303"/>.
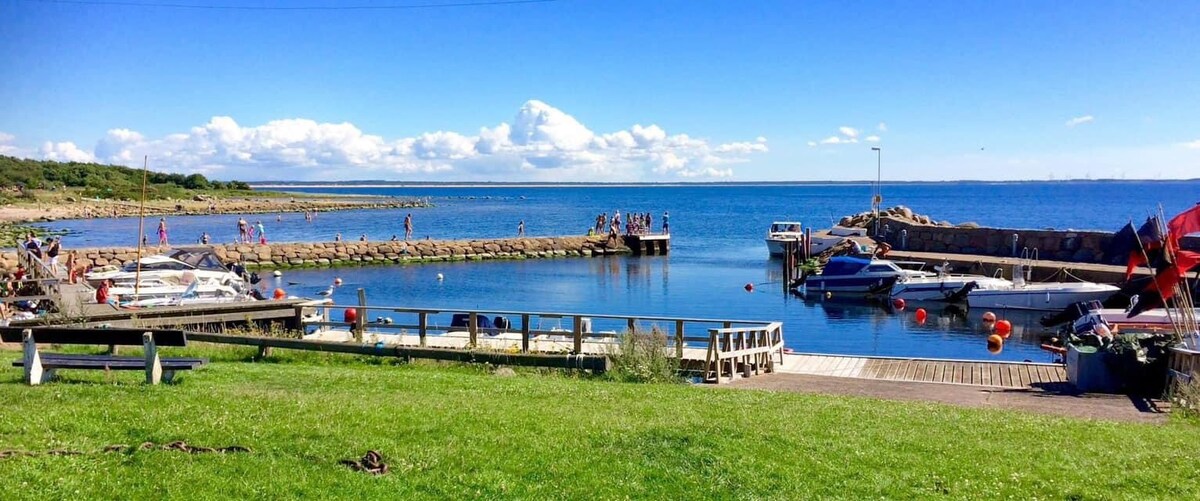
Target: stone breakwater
<point x="904" y="230"/>
<point x="334" y="254"/>
<point x="72" y="208"/>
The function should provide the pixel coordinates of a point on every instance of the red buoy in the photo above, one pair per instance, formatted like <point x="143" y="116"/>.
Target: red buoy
<point x="280" y="294"/>
<point x="921" y="315"/>
<point x="1003" y="328"/>
<point x="350" y="315"/>
<point x="898" y="303"/>
<point x="749" y="287"/>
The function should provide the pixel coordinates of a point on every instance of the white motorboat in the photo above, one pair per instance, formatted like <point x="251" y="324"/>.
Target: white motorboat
<point x="175" y="295"/>
<point x="1050" y="296"/>
<point x="845" y="274"/>
<point x="780" y="233"/>
<point x="944" y="286"/>
<point x="176" y="269"/>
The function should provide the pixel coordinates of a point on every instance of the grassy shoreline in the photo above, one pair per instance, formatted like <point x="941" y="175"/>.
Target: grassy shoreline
<point x="452" y="431"/>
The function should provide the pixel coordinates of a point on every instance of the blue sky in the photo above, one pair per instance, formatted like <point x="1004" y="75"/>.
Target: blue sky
<point x="609" y="90"/>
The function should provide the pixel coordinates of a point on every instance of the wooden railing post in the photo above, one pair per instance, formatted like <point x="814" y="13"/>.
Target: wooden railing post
<point x="577" y="333"/>
<point x="524" y="333"/>
<point x="679" y="340"/>
<point x="632" y="324"/>
<point x="473" y="327"/>
<point x="360" y="318"/>
<point x="422" y="326"/>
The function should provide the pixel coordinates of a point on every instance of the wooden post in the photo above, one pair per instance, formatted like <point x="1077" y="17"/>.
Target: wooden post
<point x="632" y="324"/>
<point x="577" y="333"/>
<point x="422" y="326"/>
<point x="679" y="340"/>
<point x="298" y="320"/>
<point x="524" y="333"/>
<point x="472" y="328"/>
<point x="361" y="318"/>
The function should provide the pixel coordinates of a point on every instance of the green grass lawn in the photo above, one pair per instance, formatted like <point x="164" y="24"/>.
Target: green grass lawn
<point x="450" y="432"/>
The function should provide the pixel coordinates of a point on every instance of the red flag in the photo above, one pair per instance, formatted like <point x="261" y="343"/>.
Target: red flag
<point x="1186" y="222"/>
<point x="1165" y="280"/>
<point x="1135" y="260"/>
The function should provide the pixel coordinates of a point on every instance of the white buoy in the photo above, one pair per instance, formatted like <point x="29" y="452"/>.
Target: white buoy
<point x="278" y="273"/>
<point x="440" y="277"/>
<point x="337" y="281"/>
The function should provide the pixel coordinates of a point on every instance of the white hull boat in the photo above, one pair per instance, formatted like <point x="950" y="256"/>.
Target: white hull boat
<point x="780" y="234"/>
<point x="951" y="288"/>
<point x="1049" y="296"/>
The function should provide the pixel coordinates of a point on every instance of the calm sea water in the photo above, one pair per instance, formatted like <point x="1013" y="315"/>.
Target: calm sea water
<point x="717" y="248"/>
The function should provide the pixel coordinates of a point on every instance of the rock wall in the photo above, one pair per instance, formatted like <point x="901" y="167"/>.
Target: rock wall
<point x="332" y="254"/>
<point x="1060" y="245"/>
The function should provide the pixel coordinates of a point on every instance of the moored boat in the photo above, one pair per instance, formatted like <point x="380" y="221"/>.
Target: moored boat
<point x="845" y="274"/>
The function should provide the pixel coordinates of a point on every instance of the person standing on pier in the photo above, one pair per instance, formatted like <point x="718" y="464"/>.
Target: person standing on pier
<point x="666" y="223"/>
<point x="52" y="249"/>
<point x="262" y="233"/>
<point x="243" y="228"/>
<point x="162" y="231"/>
<point x="521" y="228"/>
<point x="408" y="227"/>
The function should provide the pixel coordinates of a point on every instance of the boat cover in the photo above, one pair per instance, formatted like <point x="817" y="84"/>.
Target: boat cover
<point x="844" y="265"/>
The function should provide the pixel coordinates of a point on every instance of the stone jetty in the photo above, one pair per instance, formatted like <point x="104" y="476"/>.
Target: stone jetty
<point x="907" y="231"/>
<point x="335" y="254"/>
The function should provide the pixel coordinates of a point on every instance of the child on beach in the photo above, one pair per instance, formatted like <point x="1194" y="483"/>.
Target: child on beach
<point x="262" y="232"/>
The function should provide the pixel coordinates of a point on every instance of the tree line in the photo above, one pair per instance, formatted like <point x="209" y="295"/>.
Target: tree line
<point x="104" y="181"/>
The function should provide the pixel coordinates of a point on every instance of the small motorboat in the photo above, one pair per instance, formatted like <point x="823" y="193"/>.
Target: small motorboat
<point x="780" y="234"/>
<point x="1047" y="296"/>
<point x="846" y="274"/>
<point x="946" y="287"/>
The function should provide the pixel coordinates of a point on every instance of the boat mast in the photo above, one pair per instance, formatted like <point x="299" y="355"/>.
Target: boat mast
<point x="877" y="196"/>
<point x="137" y="276"/>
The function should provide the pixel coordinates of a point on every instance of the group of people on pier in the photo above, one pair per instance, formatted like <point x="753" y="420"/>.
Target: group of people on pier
<point x="635" y="223"/>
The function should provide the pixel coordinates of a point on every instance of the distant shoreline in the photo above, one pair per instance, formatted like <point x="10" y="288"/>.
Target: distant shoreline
<point x="459" y="185"/>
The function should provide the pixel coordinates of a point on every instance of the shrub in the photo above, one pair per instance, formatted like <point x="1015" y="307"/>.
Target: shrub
<point x="643" y="357"/>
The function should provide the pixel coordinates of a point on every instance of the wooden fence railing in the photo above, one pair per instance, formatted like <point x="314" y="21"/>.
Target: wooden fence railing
<point x="725" y="346"/>
<point x="1183" y="369"/>
<point x="750" y="349"/>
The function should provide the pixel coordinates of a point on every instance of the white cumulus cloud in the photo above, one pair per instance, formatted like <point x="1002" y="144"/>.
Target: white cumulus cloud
<point x="542" y="143"/>
<point x="872" y="139"/>
<point x="847" y="131"/>
<point x="64" y="152"/>
<point x="1194" y="145"/>
<point x="1080" y="120"/>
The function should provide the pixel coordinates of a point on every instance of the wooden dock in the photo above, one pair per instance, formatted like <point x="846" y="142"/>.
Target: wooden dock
<point x="963" y="372"/>
<point x="649" y="245"/>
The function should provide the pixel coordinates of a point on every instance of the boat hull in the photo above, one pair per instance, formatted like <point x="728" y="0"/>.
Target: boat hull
<point x="943" y="289"/>
<point x="1043" y="299"/>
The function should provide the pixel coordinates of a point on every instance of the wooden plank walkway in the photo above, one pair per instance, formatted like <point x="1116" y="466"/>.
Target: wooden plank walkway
<point x="966" y="372"/>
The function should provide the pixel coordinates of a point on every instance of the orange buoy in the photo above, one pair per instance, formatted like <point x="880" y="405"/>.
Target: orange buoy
<point x="350" y="315"/>
<point x="749" y="287"/>
<point x="995" y="344"/>
<point x="898" y="303"/>
<point x="1003" y="328"/>
<point x="921" y="315"/>
<point x="989" y="317"/>
<point x="280" y="294"/>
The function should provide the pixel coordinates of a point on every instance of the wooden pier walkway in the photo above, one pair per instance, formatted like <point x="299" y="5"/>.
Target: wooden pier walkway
<point x="964" y="372"/>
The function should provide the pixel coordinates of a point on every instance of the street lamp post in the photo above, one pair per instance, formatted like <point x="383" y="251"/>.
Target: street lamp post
<point x="878" y="198"/>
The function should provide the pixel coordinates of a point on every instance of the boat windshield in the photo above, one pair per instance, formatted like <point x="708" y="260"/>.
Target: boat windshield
<point x="785" y="227"/>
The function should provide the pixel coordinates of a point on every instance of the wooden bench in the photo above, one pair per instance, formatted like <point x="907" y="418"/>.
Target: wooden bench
<point x="40" y="367"/>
